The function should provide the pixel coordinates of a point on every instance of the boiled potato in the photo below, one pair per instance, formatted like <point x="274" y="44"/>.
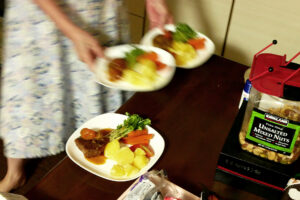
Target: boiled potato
<point x="124" y="156"/>
<point x="184" y="52"/>
<point x="147" y="68"/>
<point x="140" y="152"/>
<point x="134" y="77"/>
<point x="140" y="161"/>
<point x="130" y="170"/>
<point x="111" y="149"/>
<point x="142" y="73"/>
<point x="117" y="171"/>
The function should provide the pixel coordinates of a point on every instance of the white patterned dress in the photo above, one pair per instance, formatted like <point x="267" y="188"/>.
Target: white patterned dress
<point x="46" y="92"/>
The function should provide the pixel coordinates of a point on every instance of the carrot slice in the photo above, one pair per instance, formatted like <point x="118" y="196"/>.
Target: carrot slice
<point x="160" y="65"/>
<point x="197" y="43"/>
<point x="168" y="34"/>
<point x="149" y="55"/>
<point x="137" y="133"/>
<point x="142" y="139"/>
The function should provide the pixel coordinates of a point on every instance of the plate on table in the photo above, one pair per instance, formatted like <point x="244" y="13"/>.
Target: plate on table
<point x="203" y="54"/>
<point x="103" y="121"/>
<point x="137" y="81"/>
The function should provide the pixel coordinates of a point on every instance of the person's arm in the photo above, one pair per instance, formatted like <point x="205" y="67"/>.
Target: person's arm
<point x="86" y="46"/>
<point x="158" y="13"/>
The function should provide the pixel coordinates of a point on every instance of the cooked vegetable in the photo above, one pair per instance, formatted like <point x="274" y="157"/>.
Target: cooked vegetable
<point x="148" y="149"/>
<point x="183" y="33"/>
<point x="133" y="122"/>
<point x="130" y="170"/>
<point x="117" y="171"/>
<point x="145" y="147"/>
<point x="124" y="156"/>
<point x="160" y="65"/>
<point x="132" y="56"/>
<point x="138" y="133"/>
<point x="149" y="56"/>
<point x="111" y="149"/>
<point x="134" y="147"/>
<point x="88" y="134"/>
<point x="197" y="43"/>
<point x="140" y="152"/>
<point x="184" y="52"/>
<point x="146" y="68"/>
<point x="134" y="78"/>
<point x="142" y="139"/>
<point x="140" y="161"/>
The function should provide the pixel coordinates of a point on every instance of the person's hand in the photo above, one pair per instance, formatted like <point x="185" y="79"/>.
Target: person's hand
<point x="87" y="47"/>
<point x="158" y="13"/>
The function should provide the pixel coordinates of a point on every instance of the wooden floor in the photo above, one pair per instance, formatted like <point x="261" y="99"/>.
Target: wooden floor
<point x="35" y="169"/>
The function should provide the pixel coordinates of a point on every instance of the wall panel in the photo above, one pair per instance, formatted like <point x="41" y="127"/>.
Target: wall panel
<point x="256" y="23"/>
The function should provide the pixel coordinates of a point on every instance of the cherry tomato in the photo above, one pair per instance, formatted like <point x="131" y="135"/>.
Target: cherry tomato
<point x="88" y="134"/>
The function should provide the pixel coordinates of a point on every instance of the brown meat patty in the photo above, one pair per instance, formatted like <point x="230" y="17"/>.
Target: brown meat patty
<point x="91" y="148"/>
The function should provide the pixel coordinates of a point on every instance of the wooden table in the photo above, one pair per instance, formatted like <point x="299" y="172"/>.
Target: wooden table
<point x="194" y="114"/>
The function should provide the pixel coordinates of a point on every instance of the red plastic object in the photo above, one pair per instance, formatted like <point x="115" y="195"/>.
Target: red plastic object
<point x="270" y="73"/>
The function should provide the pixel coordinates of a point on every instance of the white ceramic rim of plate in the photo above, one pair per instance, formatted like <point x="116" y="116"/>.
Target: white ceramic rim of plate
<point x="203" y="54"/>
<point x="110" y="120"/>
<point x="165" y="75"/>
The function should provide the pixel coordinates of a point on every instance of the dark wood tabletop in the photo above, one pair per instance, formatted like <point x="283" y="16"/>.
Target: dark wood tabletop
<point x="194" y="114"/>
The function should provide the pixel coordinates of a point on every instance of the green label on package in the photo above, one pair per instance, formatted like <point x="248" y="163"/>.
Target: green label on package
<point x="272" y="132"/>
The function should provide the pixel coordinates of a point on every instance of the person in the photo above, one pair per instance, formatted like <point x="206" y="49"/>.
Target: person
<point x="47" y="90"/>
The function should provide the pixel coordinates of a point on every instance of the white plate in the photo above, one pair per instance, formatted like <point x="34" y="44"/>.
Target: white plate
<point x="165" y="75"/>
<point x="110" y="120"/>
<point x="203" y="54"/>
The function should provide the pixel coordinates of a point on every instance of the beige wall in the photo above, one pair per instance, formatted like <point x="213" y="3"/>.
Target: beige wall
<point x="256" y="23"/>
<point x="136" y="11"/>
<point x="1" y="38"/>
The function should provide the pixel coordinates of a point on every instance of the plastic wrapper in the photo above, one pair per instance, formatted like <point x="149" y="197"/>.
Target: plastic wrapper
<point x="154" y="185"/>
<point x="292" y="191"/>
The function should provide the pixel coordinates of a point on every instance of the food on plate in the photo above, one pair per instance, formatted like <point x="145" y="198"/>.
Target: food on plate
<point x="91" y="142"/>
<point x="117" y="171"/>
<point x="89" y="134"/>
<point x="138" y="67"/>
<point x="140" y="161"/>
<point x="128" y="145"/>
<point x="124" y="156"/>
<point x="128" y="162"/>
<point x="130" y="170"/>
<point x="182" y="43"/>
<point x="132" y="123"/>
<point x="183" y="52"/>
<point x="90" y="148"/>
<point x="111" y="149"/>
<point x="145" y="147"/>
<point x="139" y="152"/>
